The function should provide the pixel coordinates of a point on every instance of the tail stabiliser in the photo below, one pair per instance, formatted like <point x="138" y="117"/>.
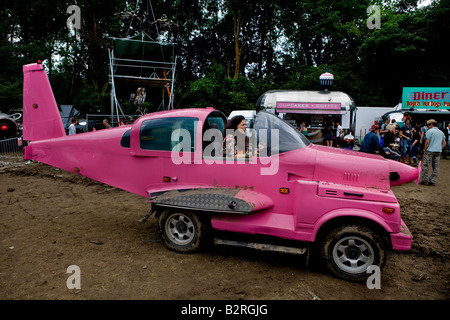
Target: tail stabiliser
<point x="41" y="118"/>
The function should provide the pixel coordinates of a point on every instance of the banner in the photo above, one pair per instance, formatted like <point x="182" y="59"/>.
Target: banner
<point x="426" y="98"/>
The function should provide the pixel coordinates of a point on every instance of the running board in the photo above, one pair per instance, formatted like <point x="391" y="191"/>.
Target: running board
<point x="260" y="246"/>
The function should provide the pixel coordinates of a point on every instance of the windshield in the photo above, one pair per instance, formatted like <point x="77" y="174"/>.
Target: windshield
<point x="277" y="135"/>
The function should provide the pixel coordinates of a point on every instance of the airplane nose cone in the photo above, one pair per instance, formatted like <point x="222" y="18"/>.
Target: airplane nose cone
<point x="400" y="173"/>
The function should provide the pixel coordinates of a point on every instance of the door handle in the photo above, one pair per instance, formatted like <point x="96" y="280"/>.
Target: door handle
<point x="353" y="194"/>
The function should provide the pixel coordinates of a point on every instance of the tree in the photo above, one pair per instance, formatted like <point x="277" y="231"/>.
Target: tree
<point x="407" y="50"/>
<point x="28" y="33"/>
<point x="215" y="89"/>
<point x="237" y="26"/>
<point x="230" y="52"/>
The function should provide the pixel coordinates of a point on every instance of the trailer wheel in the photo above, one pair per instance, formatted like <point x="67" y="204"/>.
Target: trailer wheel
<point x="182" y="231"/>
<point x="348" y="251"/>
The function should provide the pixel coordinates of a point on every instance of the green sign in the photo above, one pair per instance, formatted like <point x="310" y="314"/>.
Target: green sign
<point x="426" y="98"/>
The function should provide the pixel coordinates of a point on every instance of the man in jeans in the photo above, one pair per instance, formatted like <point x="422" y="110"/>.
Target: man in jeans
<point x="432" y="152"/>
<point x="406" y="135"/>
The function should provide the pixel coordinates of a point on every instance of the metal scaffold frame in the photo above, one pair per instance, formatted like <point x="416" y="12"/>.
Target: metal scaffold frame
<point x="137" y="61"/>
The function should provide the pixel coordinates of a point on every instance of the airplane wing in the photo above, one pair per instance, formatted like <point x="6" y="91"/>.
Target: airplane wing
<point x="226" y="200"/>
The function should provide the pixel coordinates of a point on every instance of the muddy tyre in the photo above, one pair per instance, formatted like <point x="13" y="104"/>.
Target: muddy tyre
<point x="348" y="251"/>
<point x="182" y="231"/>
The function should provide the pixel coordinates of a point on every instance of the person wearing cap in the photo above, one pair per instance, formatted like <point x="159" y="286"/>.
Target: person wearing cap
<point x="435" y="142"/>
<point x="371" y="142"/>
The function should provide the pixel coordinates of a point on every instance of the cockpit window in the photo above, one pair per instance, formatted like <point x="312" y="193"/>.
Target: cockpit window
<point x="165" y="134"/>
<point x="214" y="121"/>
<point x="275" y="135"/>
<point x="125" y="141"/>
<point x="212" y="134"/>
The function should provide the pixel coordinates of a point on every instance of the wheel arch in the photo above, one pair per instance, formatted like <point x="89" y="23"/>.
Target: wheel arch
<point x="329" y="223"/>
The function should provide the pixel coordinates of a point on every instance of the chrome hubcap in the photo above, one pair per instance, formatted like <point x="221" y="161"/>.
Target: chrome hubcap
<point x="353" y="254"/>
<point x="180" y="229"/>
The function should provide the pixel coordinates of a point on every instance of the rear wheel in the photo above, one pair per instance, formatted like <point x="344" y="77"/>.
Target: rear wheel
<point x="348" y="251"/>
<point x="182" y="230"/>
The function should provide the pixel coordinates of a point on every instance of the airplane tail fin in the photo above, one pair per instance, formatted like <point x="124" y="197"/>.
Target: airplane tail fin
<point x="41" y="117"/>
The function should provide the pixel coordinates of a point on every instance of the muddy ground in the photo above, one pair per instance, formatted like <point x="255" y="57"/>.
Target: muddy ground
<point x="51" y="219"/>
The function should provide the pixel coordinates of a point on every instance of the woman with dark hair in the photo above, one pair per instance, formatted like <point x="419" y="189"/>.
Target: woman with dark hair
<point x="328" y="135"/>
<point x="235" y="140"/>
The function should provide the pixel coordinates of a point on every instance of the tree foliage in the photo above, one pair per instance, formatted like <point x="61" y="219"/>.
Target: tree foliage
<point x="229" y="51"/>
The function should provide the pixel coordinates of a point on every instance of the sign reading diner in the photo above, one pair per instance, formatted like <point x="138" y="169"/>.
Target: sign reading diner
<point x="426" y="98"/>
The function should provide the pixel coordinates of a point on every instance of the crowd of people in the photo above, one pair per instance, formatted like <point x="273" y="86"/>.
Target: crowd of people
<point x="73" y="129"/>
<point x="405" y="143"/>
<point x="409" y="142"/>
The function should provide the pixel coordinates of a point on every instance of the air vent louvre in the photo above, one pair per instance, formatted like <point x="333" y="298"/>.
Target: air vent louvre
<point x="351" y="177"/>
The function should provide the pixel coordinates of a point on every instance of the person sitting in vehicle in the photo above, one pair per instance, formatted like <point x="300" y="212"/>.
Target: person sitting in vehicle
<point x="371" y="142"/>
<point x="236" y="142"/>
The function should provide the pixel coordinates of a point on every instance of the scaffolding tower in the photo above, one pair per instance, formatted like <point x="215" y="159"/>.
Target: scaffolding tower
<point x="139" y="62"/>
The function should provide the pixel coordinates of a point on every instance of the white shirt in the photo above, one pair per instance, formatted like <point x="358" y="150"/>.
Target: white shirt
<point x="338" y="131"/>
<point x="72" y="129"/>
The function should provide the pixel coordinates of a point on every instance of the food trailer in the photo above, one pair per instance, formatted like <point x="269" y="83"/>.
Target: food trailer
<point x="313" y="109"/>
<point x="422" y="104"/>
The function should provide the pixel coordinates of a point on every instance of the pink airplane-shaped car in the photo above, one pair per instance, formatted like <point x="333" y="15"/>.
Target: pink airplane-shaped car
<point x="291" y="194"/>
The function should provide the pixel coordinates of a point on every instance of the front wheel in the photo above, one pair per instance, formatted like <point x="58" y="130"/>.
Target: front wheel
<point x="348" y="252"/>
<point x="182" y="231"/>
